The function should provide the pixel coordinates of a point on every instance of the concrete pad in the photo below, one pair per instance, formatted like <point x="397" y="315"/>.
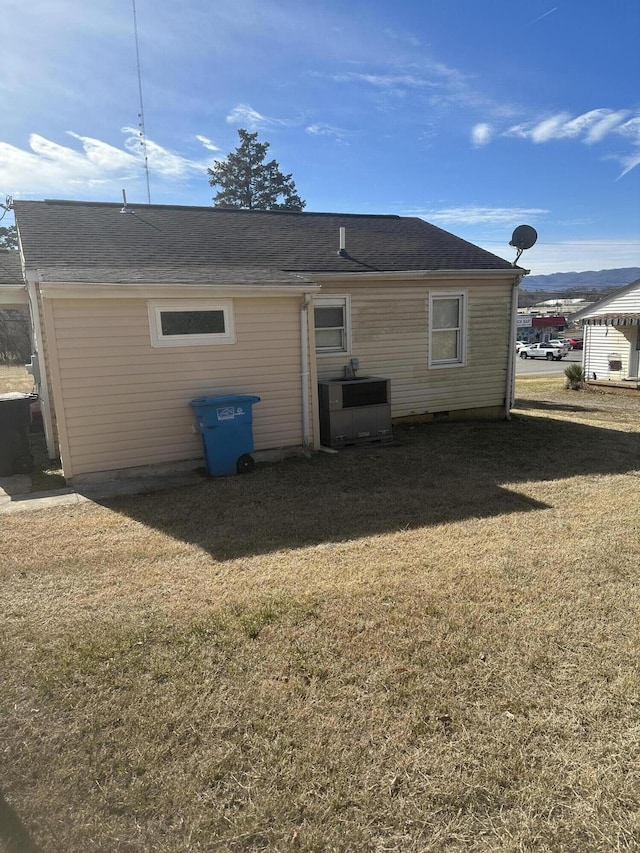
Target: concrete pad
<point x="91" y="493"/>
<point x="18" y="484"/>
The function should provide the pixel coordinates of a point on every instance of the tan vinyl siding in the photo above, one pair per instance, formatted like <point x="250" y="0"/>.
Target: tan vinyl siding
<point x="389" y="323"/>
<point x="127" y="404"/>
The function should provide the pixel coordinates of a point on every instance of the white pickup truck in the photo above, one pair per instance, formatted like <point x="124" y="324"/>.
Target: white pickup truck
<point x="543" y="350"/>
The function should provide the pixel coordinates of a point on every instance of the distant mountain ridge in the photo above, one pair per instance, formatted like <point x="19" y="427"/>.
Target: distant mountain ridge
<point x="581" y="280"/>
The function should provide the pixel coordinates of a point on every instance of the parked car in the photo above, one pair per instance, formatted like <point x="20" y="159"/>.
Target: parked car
<point x="543" y="350"/>
<point x="561" y="342"/>
<point x="520" y="345"/>
<point x="575" y="343"/>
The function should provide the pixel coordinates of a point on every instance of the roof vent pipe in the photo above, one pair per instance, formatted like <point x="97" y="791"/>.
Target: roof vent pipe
<point x="342" y="251"/>
<point x="125" y="207"/>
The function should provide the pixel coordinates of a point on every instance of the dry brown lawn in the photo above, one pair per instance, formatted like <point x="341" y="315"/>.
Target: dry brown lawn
<point x="15" y="378"/>
<point x="430" y="647"/>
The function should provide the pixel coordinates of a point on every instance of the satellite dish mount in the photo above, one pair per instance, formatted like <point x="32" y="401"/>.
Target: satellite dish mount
<point x="524" y="237"/>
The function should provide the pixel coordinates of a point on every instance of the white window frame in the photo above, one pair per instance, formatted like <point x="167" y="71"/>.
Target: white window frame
<point x="461" y="357"/>
<point x="335" y="301"/>
<point x="159" y="339"/>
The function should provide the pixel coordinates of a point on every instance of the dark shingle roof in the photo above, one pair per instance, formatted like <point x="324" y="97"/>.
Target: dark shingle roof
<point x="10" y="268"/>
<point x="97" y="237"/>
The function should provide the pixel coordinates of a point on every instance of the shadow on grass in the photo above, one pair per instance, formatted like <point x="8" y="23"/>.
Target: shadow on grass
<point x="548" y="406"/>
<point x="440" y="473"/>
<point x="12" y="831"/>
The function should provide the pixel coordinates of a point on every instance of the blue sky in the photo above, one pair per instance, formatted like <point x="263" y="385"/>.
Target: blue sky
<point x="477" y="116"/>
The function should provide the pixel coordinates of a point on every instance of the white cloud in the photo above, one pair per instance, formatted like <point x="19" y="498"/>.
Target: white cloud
<point x="589" y="127"/>
<point x="551" y="128"/>
<point x="322" y="129"/>
<point x="208" y="144"/>
<point x="48" y="168"/>
<point x="630" y="130"/>
<point x="161" y="161"/>
<point x="481" y="134"/>
<point x="101" y="155"/>
<point x="480" y="215"/>
<point x="383" y="81"/>
<point x="245" y="116"/>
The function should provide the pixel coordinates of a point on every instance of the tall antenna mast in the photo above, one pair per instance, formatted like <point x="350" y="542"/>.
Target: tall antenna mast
<point x="143" y="134"/>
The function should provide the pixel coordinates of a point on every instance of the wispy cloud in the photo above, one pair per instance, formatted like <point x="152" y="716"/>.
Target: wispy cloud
<point x="245" y="116"/>
<point x="630" y="130"/>
<point x="383" y="81"/>
<point x="47" y="167"/>
<point x="441" y="86"/>
<point x="476" y="215"/>
<point x="590" y="128"/>
<point x="322" y="129"/>
<point x="208" y="144"/>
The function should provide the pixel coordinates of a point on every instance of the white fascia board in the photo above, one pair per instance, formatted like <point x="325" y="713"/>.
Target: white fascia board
<point x="54" y="290"/>
<point x="514" y="275"/>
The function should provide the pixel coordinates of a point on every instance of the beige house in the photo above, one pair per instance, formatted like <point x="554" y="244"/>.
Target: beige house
<point x="138" y="310"/>
<point x="611" y="350"/>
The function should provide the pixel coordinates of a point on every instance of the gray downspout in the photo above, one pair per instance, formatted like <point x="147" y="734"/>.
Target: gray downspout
<point x="509" y="397"/>
<point x="43" y="386"/>
<point x="304" y="368"/>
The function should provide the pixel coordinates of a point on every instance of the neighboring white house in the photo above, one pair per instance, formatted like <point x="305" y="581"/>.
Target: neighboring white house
<point x="612" y="337"/>
<point x="266" y="303"/>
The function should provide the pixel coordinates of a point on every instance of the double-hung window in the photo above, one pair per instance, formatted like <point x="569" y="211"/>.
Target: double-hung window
<point x="447" y="329"/>
<point x="194" y="323"/>
<point x="332" y="324"/>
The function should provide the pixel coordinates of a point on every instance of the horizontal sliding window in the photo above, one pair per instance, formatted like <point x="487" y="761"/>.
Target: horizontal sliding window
<point x="191" y="323"/>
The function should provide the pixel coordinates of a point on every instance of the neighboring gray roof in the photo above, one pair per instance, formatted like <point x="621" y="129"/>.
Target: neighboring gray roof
<point x="10" y="268"/>
<point x="197" y="241"/>
<point x="598" y="309"/>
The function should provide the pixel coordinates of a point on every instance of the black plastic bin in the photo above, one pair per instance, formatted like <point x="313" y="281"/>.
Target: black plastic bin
<point x="15" y="420"/>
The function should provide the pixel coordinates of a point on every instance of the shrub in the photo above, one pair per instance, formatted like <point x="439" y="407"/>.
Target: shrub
<point x="575" y="377"/>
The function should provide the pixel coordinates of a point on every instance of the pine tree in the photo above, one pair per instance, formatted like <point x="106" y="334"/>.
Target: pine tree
<point x="247" y="181"/>
<point x="8" y="237"/>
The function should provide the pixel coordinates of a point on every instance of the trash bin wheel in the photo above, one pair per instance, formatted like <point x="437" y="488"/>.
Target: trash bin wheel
<point x="23" y="464"/>
<point x="245" y="463"/>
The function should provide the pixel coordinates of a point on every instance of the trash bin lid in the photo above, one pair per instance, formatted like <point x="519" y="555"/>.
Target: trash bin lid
<point x="225" y="400"/>
<point x="15" y="396"/>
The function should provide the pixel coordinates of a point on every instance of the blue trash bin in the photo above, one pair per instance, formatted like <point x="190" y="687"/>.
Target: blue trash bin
<point x="226" y="426"/>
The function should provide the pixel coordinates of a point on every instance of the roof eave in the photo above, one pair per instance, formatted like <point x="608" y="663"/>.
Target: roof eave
<point x="418" y="275"/>
<point x="106" y="290"/>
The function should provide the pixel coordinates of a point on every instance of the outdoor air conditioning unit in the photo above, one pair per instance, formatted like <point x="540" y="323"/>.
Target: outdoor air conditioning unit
<point x="355" y="411"/>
